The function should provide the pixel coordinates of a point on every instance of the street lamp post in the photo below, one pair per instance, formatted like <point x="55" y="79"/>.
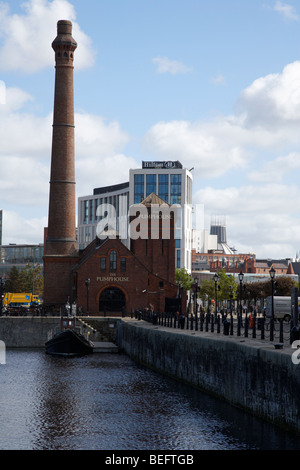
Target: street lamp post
<point x="272" y="276"/>
<point x="195" y="302"/>
<point x="180" y="287"/>
<point x="216" y="279"/>
<point x="240" y="315"/>
<point x="87" y="283"/>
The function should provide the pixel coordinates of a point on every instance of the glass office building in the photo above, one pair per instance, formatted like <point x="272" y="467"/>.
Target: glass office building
<point x="19" y="256"/>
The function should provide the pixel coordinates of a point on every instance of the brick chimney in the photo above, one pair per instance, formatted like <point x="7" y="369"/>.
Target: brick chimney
<point x="60" y="245"/>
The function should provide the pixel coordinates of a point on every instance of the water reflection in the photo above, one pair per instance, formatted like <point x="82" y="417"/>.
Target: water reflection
<point x="108" y="402"/>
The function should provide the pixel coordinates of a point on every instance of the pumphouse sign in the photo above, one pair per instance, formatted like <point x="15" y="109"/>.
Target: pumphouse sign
<point x="112" y="278"/>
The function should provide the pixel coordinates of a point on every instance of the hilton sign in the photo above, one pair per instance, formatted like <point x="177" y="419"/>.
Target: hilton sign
<point x="164" y="165"/>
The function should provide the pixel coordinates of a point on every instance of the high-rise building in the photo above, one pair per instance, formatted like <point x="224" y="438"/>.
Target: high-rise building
<point x="172" y="183"/>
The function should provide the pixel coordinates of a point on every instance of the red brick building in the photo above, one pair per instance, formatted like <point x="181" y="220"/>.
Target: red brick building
<point x="119" y="281"/>
<point x="111" y="278"/>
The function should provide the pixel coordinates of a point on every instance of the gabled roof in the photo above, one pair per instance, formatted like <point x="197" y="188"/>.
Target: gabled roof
<point x="153" y="199"/>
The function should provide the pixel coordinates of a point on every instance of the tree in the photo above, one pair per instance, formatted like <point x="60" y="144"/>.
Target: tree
<point x="13" y="283"/>
<point x="183" y="277"/>
<point x="283" y="286"/>
<point x="227" y="287"/>
<point x="29" y="279"/>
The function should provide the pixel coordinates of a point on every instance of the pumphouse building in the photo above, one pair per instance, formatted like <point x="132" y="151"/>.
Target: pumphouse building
<point x="106" y="277"/>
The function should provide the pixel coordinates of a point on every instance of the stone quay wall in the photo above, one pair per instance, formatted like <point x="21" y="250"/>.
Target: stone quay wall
<point x="249" y="374"/>
<point x="33" y="332"/>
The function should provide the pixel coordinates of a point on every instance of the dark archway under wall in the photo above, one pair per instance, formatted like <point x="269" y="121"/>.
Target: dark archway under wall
<point x="112" y="299"/>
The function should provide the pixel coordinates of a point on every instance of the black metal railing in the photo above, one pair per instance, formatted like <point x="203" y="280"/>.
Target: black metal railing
<point x="248" y="326"/>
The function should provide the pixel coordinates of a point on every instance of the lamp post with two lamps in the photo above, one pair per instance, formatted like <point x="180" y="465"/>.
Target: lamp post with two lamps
<point x="272" y="276"/>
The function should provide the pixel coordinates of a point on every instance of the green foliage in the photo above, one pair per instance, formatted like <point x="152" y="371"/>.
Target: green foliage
<point x="255" y="290"/>
<point x="181" y="275"/>
<point x="29" y="279"/>
<point x="226" y="286"/>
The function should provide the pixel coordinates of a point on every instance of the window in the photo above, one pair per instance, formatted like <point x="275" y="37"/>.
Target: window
<point x="175" y="189"/>
<point x="150" y="184"/>
<point x="163" y="187"/>
<point x="123" y="264"/>
<point x="178" y="259"/>
<point x="91" y="204"/>
<point x="103" y="263"/>
<point x="85" y="212"/>
<point x="177" y="243"/>
<point x="138" y="188"/>
<point x="113" y="260"/>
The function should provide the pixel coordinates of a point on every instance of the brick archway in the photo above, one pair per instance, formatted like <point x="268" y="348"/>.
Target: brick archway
<point x="112" y="299"/>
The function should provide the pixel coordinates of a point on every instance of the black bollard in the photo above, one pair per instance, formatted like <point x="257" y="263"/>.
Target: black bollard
<point x="226" y="326"/>
<point x="272" y="329"/>
<point x="254" y="326"/>
<point x="281" y="330"/>
<point x="246" y="326"/>
<point x="218" y="324"/>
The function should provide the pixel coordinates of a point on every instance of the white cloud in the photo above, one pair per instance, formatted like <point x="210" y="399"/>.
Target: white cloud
<point x="266" y="119"/>
<point x="259" y="218"/>
<point x="272" y="101"/>
<point x="166" y="65"/>
<point x="288" y="11"/>
<point x="18" y="229"/>
<point x="212" y="148"/>
<point x="276" y="170"/>
<point x="30" y="34"/>
<point x="99" y="159"/>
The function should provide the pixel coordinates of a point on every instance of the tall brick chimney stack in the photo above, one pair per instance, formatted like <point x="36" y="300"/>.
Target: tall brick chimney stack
<point x="60" y="244"/>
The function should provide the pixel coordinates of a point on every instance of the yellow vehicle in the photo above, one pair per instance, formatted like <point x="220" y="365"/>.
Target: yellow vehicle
<point x="18" y="299"/>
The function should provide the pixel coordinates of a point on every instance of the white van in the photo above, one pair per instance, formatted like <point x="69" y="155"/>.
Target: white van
<point x="282" y="307"/>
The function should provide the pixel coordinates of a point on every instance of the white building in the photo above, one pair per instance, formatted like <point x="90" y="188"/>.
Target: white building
<point x="90" y="214"/>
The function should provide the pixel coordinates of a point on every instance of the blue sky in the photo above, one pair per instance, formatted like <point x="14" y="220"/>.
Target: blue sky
<point x="213" y="84"/>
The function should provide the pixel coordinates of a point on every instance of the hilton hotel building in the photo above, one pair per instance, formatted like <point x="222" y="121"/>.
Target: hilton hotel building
<point x="168" y="180"/>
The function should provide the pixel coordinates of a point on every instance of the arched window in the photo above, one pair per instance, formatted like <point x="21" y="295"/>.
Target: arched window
<point x="113" y="260"/>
